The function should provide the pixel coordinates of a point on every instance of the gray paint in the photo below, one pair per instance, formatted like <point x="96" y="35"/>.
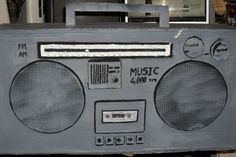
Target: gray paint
<point x="16" y="138"/>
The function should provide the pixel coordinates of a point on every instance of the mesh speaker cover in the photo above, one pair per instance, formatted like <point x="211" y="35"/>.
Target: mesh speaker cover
<point x="47" y="97"/>
<point x="190" y="96"/>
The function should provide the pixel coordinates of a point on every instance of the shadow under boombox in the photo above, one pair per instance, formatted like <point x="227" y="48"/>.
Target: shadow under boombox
<point x="117" y="88"/>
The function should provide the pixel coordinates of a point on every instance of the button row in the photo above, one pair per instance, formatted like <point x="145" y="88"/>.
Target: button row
<point x="119" y="140"/>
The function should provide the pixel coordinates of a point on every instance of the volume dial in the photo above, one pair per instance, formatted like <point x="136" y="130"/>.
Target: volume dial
<point x="220" y="50"/>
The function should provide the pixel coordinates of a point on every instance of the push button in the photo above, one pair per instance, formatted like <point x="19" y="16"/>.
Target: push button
<point x="109" y="141"/>
<point x="120" y="140"/>
<point x="99" y="141"/>
<point x="139" y="139"/>
<point x="130" y="140"/>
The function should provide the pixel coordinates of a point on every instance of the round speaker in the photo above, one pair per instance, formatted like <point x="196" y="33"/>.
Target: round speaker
<point x="47" y="96"/>
<point x="191" y="95"/>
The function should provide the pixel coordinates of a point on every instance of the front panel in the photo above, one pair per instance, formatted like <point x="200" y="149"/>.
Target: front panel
<point x="116" y="90"/>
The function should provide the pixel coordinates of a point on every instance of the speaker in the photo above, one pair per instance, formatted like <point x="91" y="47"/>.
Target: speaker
<point x="117" y="88"/>
<point x="191" y="95"/>
<point x="47" y="96"/>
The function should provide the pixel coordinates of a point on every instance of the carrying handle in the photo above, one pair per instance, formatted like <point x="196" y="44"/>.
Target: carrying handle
<point x="75" y="6"/>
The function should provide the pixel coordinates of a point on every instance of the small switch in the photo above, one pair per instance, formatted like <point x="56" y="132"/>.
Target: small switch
<point x="99" y="141"/>
<point x="130" y="140"/>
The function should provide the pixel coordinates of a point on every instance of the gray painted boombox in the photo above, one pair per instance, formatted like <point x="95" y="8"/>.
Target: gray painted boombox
<point x="98" y="89"/>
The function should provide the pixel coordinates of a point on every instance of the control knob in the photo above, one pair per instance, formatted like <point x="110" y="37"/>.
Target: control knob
<point x="220" y="50"/>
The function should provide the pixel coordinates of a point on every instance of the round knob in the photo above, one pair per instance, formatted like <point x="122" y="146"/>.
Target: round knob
<point x="193" y="47"/>
<point x="220" y="50"/>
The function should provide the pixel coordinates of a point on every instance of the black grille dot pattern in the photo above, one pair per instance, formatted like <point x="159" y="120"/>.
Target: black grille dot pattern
<point x="47" y="97"/>
<point x="191" y="95"/>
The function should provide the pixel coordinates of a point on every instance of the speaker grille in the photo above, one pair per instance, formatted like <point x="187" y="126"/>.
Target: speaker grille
<point x="191" y="95"/>
<point x="47" y="96"/>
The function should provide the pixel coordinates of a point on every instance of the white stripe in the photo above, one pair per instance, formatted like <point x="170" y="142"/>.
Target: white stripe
<point x="123" y="47"/>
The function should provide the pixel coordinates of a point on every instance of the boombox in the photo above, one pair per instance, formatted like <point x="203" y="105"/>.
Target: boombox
<point x="117" y="88"/>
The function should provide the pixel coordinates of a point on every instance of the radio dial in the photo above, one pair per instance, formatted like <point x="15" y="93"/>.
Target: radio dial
<point x="193" y="47"/>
